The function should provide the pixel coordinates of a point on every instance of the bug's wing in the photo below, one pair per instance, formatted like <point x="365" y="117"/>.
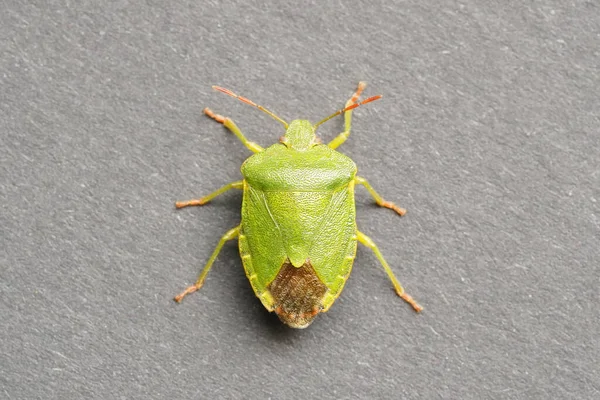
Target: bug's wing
<point x="261" y="242"/>
<point x="333" y="244"/>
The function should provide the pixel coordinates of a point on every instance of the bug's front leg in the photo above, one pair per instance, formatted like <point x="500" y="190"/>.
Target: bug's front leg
<point x="231" y="234"/>
<point x="203" y="200"/>
<point x="367" y="241"/>
<point x="378" y="199"/>
<point x="229" y="124"/>
<point x="342" y="137"/>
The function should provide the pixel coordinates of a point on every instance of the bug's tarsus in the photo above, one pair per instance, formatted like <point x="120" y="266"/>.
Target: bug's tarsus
<point x="408" y="298"/>
<point x="250" y="102"/>
<point x="188" y="203"/>
<point x="388" y="204"/>
<point x="187" y="291"/>
<point x="361" y="86"/>
<point x="216" y="117"/>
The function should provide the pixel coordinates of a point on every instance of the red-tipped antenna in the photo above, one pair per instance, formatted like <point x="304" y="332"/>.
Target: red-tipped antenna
<point x="247" y="101"/>
<point x="353" y="106"/>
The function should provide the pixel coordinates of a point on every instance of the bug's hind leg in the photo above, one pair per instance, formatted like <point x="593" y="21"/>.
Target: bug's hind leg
<point x="341" y="138"/>
<point x="231" y="234"/>
<point x="229" y="124"/>
<point x="367" y="241"/>
<point x="203" y="200"/>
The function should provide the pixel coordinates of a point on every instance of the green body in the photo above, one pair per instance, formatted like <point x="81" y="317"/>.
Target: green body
<point x="299" y="206"/>
<point x="298" y="233"/>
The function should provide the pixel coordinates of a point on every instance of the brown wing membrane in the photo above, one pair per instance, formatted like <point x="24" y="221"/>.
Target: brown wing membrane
<point x="298" y="293"/>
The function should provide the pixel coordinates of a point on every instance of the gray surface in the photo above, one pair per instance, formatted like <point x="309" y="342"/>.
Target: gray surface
<point x="488" y="134"/>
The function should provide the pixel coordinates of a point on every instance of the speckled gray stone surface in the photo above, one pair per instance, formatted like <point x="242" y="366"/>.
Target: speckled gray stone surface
<point x="488" y="133"/>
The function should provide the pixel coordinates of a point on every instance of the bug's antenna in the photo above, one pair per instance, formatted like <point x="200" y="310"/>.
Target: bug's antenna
<point x="247" y="101"/>
<point x="353" y="106"/>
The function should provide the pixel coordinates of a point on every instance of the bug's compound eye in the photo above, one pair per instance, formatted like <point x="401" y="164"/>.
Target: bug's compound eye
<point x="317" y="141"/>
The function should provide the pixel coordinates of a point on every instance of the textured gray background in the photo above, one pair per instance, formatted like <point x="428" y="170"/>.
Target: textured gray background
<point x="488" y="134"/>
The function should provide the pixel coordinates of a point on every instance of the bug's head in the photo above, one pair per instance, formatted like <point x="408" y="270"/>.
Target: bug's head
<point x="300" y="135"/>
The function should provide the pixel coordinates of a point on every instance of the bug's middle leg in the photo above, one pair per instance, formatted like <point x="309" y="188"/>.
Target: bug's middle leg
<point x="231" y="234"/>
<point x="341" y="138"/>
<point x="378" y="199"/>
<point x="367" y="241"/>
<point x="229" y="124"/>
<point x="203" y="200"/>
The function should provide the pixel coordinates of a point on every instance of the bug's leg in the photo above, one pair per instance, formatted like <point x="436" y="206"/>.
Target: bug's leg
<point x="378" y="199"/>
<point x="341" y="138"/>
<point x="203" y="200"/>
<point x="365" y="240"/>
<point x="229" y="124"/>
<point x="231" y="234"/>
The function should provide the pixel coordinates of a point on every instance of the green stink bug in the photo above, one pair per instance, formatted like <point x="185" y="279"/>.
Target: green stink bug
<point x="298" y="234"/>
